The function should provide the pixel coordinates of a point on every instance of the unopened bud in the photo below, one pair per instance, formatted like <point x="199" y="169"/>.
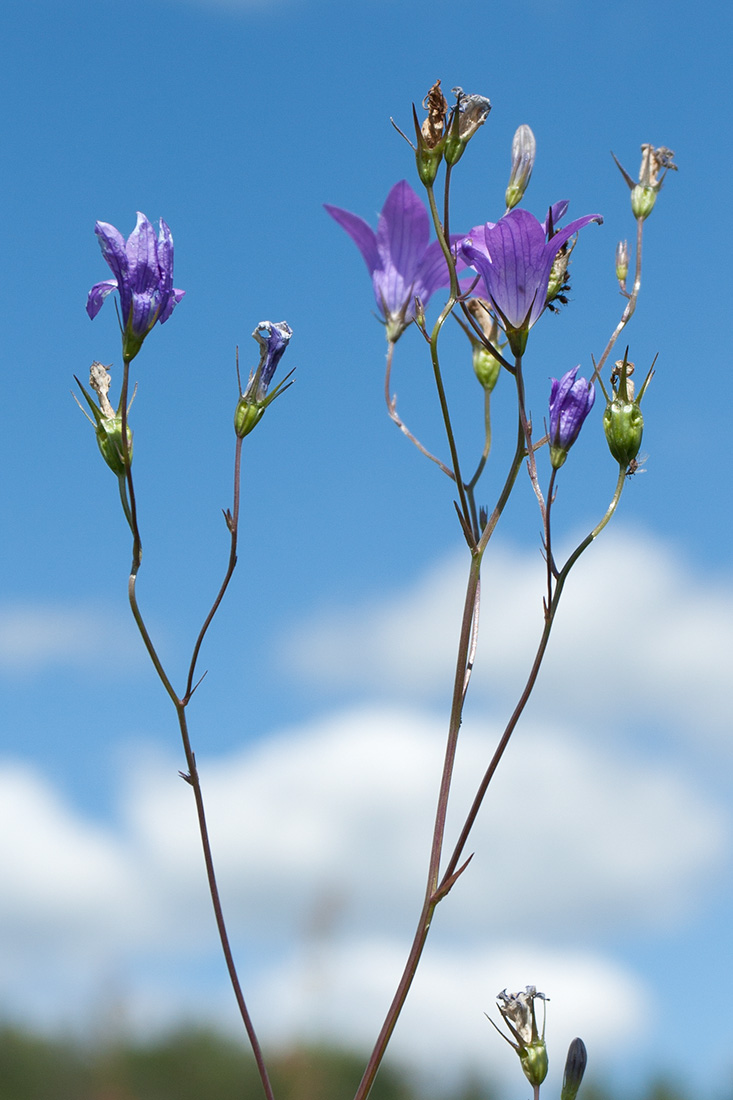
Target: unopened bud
<point x="524" y="149"/>
<point x="486" y="366"/>
<point x="575" y="1064"/>
<point x="622" y="261"/>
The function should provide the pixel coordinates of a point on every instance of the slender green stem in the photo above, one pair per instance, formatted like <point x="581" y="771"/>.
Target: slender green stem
<point x="122" y="485"/>
<point x="127" y="497"/>
<point x="460" y="683"/>
<point x="232" y="520"/>
<point x="192" y="778"/>
<point x="516" y="464"/>
<point x="471" y="485"/>
<point x="445" y="313"/>
<point x="131" y="512"/>
<point x="527" y="430"/>
<point x="550" y="612"/>
<point x="630" y="305"/>
<point x="551" y="569"/>
<point x="435" y="892"/>
<point x="391" y="401"/>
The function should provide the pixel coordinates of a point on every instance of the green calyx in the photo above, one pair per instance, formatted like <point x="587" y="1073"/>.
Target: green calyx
<point x="623" y="424"/>
<point x="642" y="200"/>
<point x="247" y="416"/>
<point x="107" y="422"/>
<point x="534" y="1062"/>
<point x="557" y="456"/>
<point x="109" y="441"/>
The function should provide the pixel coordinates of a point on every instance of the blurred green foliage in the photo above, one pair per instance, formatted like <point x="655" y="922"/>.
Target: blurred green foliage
<point x="201" y="1065"/>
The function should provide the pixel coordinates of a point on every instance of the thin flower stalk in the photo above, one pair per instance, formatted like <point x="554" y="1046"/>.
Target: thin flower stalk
<point x="191" y="776"/>
<point x="630" y="306"/>
<point x="391" y="402"/>
<point x="434" y="358"/>
<point x="550" y="613"/>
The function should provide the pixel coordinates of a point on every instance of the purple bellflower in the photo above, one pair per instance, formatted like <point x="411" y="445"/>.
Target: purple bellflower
<point x="514" y="259"/>
<point x="143" y="270"/>
<point x="571" y="399"/>
<point x="402" y="264"/>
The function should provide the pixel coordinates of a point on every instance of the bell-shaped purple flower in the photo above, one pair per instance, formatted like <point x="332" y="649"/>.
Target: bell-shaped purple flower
<point x="514" y="259"/>
<point x="571" y="399"/>
<point x="143" y="270"/>
<point x="401" y="262"/>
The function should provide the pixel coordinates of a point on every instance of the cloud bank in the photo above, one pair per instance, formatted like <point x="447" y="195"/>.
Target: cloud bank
<point x="593" y="838"/>
<point x="634" y="620"/>
<point x="321" y="836"/>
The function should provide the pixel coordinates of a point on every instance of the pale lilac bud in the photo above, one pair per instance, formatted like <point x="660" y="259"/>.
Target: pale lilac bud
<point x="622" y="261"/>
<point x="524" y="149"/>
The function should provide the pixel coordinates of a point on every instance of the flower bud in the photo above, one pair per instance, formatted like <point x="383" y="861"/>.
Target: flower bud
<point x="622" y="262"/>
<point x="485" y="365"/>
<point x="571" y="400"/>
<point x="524" y="148"/>
<point x="575" y="1064"/>
<point x="470" y="112"/>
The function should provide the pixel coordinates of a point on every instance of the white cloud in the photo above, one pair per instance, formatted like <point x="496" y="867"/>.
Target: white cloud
<point x="344" y="809"/>
<point x="34" y="636"/>
<point x="320" y="836"/>
<point x="639" y="636"/>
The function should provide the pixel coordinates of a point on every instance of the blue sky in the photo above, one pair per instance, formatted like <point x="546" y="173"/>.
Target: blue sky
<point x="235" y="122"/>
